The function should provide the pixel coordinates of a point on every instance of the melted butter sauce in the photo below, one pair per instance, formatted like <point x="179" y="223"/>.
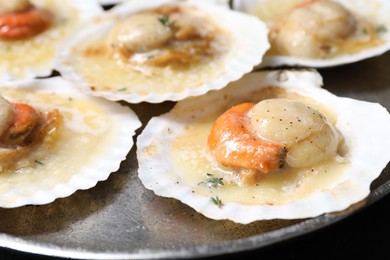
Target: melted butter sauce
<point x="84" y="125"/>
<point x="105" y="72"/>
<point x="364" y="37"/>
<point x="37" y="53"/>
<point x="190" y="156"/>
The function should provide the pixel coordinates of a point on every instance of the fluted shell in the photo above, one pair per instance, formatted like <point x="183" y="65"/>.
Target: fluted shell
<point x="36" y="56"/>
<point x="244" y="40"/>
<point x="174" y="160"/>
<point x="111" y="2"/>
<point x="374" y="12"/>
<point x="90" y="143"/>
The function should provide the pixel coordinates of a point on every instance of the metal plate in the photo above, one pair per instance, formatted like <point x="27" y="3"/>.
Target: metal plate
<point x="119" y="219"/>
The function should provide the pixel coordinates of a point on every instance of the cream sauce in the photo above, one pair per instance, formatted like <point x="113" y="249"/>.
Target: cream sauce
<point x="97" y="64"/>
<point x="85" y="124"/>
<point x="36" y="54"/>
<point x="191" y="159"/>
<point x="364" y="37"/>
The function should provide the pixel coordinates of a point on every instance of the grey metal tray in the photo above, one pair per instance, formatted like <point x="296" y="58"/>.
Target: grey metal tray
<point x="119" y="219"/>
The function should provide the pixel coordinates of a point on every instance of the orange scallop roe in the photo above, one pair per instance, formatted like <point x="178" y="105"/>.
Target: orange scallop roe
<point x="24" y="24"/>
<point x="303" y="4"/>
<point x="233" y="144"/>
<point x="25" y="119"/>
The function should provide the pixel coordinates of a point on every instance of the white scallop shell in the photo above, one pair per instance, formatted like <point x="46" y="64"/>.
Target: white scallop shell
<point x="248" y="45"/>
<point x="111" y="2"/>
<point x="97" y="163"/>
<point x="375" y="11"/>
<point x="367" y="137"/>
<point x="27" y="66"/>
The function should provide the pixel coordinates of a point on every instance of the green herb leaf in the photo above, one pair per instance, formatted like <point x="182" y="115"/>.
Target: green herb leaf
<point x="164" y="20"/>
<point x="212" y="182"/>
<point x="122" y="89"/>
<point x="217" y="201"/>
<point x="39" y="162"/>
<point x="381" y="29"/>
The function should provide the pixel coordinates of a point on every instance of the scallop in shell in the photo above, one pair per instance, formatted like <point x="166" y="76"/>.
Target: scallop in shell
<point x="175" y="159"/>
<point x="35" y="56"/>
<point x="322" y="33"/>
<point x="88" y="140"/>
<point x="162" y="50"/>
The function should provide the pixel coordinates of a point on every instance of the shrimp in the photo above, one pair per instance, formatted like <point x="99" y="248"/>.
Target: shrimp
<point x="232" y="143"/>
<point x="24" y="24"/>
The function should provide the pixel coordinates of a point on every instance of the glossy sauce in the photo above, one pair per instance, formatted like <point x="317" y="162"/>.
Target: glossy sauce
<point x="98" y="65"/>
<point x="37" y="53"/>
<point x="190" y="156"/>
<point x="364" y="37"/>
<point x="84" y="125"/>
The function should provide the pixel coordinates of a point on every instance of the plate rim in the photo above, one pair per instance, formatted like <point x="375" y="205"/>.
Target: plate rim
<point x="254" y="242"/>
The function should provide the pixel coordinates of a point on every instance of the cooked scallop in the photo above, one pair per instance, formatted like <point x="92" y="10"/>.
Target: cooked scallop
<point x="273" y="145"/>
<point x="13" y="6"/>
<point x="6" y="111"/>
<point x="55" y="140"/>
<point x="321" y="33"/>
<point x="156" y="51"/>
<point x="31" y="31"/>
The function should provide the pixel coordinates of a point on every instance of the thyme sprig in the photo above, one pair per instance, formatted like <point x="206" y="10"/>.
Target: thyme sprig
<point x="217" y="201"/>
<point x="39" y="162"/>
<point x="212" y="182"/>
<point x="164" y="20"/>
<point x="122" y="89"/>
<point x="381" y="28"/>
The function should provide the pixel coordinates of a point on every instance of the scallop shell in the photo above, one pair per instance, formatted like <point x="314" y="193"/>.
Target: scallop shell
<point x="375" y="11"/>
<point x="248" y="43"/>
<point x="111" y="2"/>
<point x="95" y="137"/>
<point x="35" y="57"/>
<point x="366" y="137"/>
